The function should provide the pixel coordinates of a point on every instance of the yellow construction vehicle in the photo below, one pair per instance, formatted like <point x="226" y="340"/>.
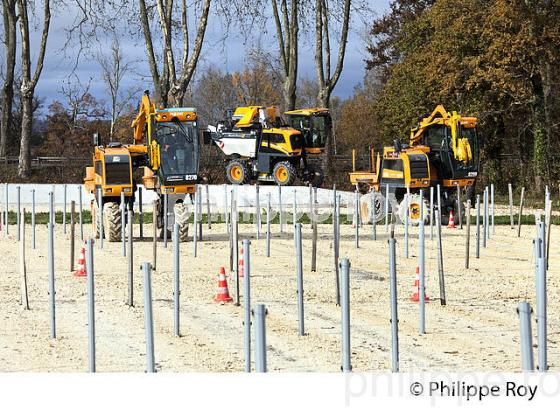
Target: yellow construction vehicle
<point x="442" y="150"/>
<point x="259" y="146"/>
<point x="165" y="144"/>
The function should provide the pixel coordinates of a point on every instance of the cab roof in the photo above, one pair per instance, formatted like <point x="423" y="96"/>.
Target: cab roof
<point x="308" y="111"/>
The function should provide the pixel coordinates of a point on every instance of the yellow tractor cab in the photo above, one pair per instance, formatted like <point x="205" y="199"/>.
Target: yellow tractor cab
<point x="316" y="126"/>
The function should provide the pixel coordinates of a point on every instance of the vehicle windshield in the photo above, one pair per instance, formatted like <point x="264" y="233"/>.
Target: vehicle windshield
<point x="315" y="129"/>
<point x="178" y="142"/>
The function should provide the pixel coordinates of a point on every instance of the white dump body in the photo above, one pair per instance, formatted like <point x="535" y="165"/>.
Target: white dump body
<point x="242" y="144"/>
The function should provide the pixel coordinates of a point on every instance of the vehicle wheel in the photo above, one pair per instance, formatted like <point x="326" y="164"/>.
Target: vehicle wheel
<point x="369" y="214"/>
<point x="237" y="172"/>
<point x="414" y="209"/>
<point x="284" y="173"/>
<point x="112" y="221"/>
<point x="182" y="218"/>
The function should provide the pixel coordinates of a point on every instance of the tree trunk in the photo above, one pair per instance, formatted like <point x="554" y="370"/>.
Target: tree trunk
<point x="9" y="11"/>
<point x="24" y="166"/>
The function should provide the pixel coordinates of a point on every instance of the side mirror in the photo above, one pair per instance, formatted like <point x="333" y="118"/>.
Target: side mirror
<point x="206" y="137"/>
<point x="96" y="139"/>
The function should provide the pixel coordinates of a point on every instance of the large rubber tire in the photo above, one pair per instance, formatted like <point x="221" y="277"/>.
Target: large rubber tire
<point x="182" y="218"/>
<point x="414" y="209"/>
<point x="112" y="221"/>
<point x="284" y="173"/>
<point x="368" y="214"/>
<point x="237" y="172"/>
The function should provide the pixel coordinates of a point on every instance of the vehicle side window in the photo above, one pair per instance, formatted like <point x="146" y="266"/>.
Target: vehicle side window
<point x="98" y="168"/>
<point x="436" y="137"/>
<point x="393" y="164"/>
<point x="276" y="138"/>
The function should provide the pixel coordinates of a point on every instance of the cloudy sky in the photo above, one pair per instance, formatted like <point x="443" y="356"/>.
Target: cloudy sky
<point x="216" y="52"/>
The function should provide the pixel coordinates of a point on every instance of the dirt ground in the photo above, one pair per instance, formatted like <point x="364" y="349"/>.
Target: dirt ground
<point x="476" y="331"/>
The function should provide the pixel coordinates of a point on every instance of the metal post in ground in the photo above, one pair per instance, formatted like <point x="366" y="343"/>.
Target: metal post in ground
<point x="314" y="232"/>
<point x="268" y="227"/>
<point x="524" y="311"/>
<point x="259" y="313"/>
<point x="520" y="212"/>
<point x="431" y="213"/>
<point x="394" y="311"/>
<point x="422" y="265"/>
<point x="477" y="226"/>
<point x="294" y="212"/>
<point x="208" y="211"/>
<point x="235" y="222"/>
<point x="336" y="250"/>
<point x="195" y="223"/>
<point x="258" y="211"/>
<point x="247" y="302"/>
<point x="6" y="223"/>
<point x="226" y="208"/>
<point x="176" y="281"/>
<point x="130" y="301"/>
<point x="154" y="241"/>
<point x="373" y="216"/>
<point x="542" y="301"/>
<point x="18" y="214"/>
<point x="345" y="304"/>
<point x="33" y="236"/>
<point x="200" y="214"/>
<point x="51" y="278"/>
<point x="80" y="213"/>
<point x="140" y="213"/>
<point x="406" y="210"/>
<point x="468" y="238"/>
<point x="441" y="273"/>
<point x="280" y="209"/>
<point x="387" y="208"/>
<point x="72" y="234"/>
<point x="100" y="216"/>
<point x="22" y="264"/>
<point x="485" y="218"/>
<point x="459" y="213"/>
<point x="356" y="219"/>
<point x="299" y="264"/>
<point x="91" y="304"/>
<point x="148" y="318"/>
<point x="492" y="209"/>
<point x="166" y="218"/>
<point x="510" y="193"/>
<point x="231" y="220"/>
<point x="123" y="225"/>
<point x="64" y="210"/>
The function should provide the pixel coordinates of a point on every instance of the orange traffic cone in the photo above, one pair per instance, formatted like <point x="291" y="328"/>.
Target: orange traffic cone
<point x="81" y="271"/>
<point x="223" y="293"/>
<point x="451" y="224"/>
<point x="416" y="296"/>
<point x="241" y="264"/>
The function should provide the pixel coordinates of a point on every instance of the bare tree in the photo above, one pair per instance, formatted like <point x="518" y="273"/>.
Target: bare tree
<point x="114" y="67"/>
<point x="9" y="21"/>
<point x="323" y="49"/>
<point x="287" y="28"/>
<point x="80" y="102"/>
<point x="171" y="84"/>
<point x="29" y="82"/>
